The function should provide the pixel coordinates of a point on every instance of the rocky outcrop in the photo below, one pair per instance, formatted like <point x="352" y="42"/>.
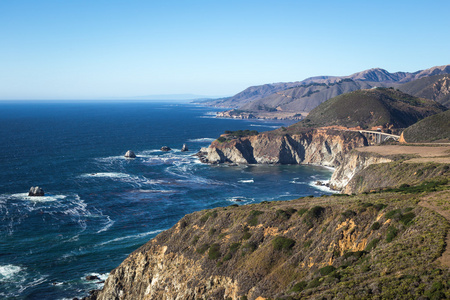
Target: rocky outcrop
<point x="326" y="147"/>
<point x="184" y="148"/>
<point x="352" y="163"/>
<point x="165" y="148"/>
<point x="36" y="191"/>
<point x="130" y="154"/>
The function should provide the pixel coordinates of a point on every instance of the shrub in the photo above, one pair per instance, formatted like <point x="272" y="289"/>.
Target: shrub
<point x="372" y="244"/>
<point x="302" y="211"/>
<point x="227" y="256"/>
<point x="348" y="214"/>
<point x="313" y="283"/>
<point x="326" y="270"/>
<point x="285" y="214"/>
<point x="234" y="247"/>
<point x="375" y="226"/>
<point x="249" y="247"/>
<point x="209" y="214"/>
<point x="211" y="231"/>
<point x="253" y="218"/>
<point x="391" y="234"/>
<point x="316" y="212"/>
<point x="214" y="251"/>
<point x="299" y="286"/>
<point x="195" y="239"/>
<point x="282" y="243"/>
<point x="202" y="249"/>
<point x="407" y="219"/>
<point x="221" y="139"/>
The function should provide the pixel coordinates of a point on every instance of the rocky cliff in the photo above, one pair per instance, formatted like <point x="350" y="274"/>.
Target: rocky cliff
<point x="368" y="246"/>
<point x="353" y="163"/>
<point x="326" y="147"/>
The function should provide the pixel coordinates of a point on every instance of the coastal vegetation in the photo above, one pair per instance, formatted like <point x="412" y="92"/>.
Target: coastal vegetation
<point x="371" y="245"/>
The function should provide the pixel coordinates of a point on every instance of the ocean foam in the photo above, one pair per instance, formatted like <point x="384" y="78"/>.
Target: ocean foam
<point x="107" y="224"/>
<point x="47" y="198"/>
<point x="261" y="125"/>
<point x="7" y="272"/>
<point x="241" y="200"/>
<point x="133" y="236"/>
<point x="202" y="140"/>
<point x="322" y="187"/>
<point x="246" y="181"/>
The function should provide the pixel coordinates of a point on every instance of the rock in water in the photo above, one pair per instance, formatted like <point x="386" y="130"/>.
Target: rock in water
<point x="36" y="191"/>
<point x="165" y="148"/>
<point x="185" y="148"/>
<point x="130" y="154"/>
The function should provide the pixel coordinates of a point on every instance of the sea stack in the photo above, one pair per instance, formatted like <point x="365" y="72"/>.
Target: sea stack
<point x="36" y="191"/>
<point x="130" y="154"/>
<point x="165" y="148"/>
<point x="184" y="148"/>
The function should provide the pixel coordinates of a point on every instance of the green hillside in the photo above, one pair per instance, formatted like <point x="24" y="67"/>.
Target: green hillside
<point x="435" y="128"/>
<point x="385" y="107"/>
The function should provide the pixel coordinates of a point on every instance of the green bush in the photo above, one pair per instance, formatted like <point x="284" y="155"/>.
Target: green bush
<point x="372" y="244"/>
<point x="282" y="243"/>
<point x="391" y="233"/>
<point x="316" y="212"/>
<point x="285" y="214"/>
<point x="375" y="226"/>
<point x="407" y="219"/>
<point x="302" y="211"/>
<point x="234" y="247"/>
<point x="299" y="286"/>
<point x="214" y="251"/>
<point x="227" y="256"/>
<point x="253" y="217"/>
<point x="249" y="247"/>
<point x="348" y="214"/>
<point x="202" y="249"/>
<point x="326" y="270"/>
<point x="313" y="283"/>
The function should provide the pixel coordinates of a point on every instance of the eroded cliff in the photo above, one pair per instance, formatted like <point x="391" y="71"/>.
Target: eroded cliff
<point x="326" y="147"/>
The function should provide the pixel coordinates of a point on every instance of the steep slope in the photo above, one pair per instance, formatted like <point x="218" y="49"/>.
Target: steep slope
<point x="383" y="107"/>
<point x="435" y="128"/>
<point x="436" y="88"/>
<point x="380" y="246"/>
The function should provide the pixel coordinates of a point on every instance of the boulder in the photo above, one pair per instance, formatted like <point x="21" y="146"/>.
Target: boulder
<point x="36" y="191"/>
<point x="92" y="277"/>
<point x="130" y="154"/>
<point x="184" y="148"/>
<point x="165" y="148"/>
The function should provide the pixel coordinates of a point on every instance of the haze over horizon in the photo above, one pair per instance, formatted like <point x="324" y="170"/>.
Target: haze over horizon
<point x="112" y="49"/>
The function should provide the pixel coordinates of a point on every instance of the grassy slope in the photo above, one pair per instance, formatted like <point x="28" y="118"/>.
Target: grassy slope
<point x="368" y="108"/>
<point x="433" y="128"/>
<point x="381" y="245"/>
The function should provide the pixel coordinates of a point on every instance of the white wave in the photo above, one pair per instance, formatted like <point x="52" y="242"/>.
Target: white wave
<point x="108" y="224"/>
<point x="134" y="236"/>
<point x="202" y="140"/>
<point x="268" y="126"/>
<point x="322" y="187"/>
<point x="240" y="200"/>
<point x="107" y="175"/>
<point x="7" y="272"/>
<point x="158" y="191"/>
<point x="246" y="181"/>
<point x="297" y="182"/>
<point x="46" y="198"/>
<point x="101" y="277"/>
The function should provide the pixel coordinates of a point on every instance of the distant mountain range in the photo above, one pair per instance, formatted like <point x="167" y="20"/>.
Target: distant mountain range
<point x="293" y="99"/>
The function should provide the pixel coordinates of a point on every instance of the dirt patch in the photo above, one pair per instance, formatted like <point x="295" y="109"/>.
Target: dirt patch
<point x="438" y="154"/>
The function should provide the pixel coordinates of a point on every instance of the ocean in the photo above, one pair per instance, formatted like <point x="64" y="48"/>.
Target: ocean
<point x="100" y="206"/>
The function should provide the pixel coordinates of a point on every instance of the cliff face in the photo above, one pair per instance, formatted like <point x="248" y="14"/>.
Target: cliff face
<point x="353" y="163"/>
<point x="314" y="248"/>
<point x="318" y="146"/>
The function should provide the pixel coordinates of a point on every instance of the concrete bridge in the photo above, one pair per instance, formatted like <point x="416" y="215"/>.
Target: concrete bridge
<point x="378" y="137"/>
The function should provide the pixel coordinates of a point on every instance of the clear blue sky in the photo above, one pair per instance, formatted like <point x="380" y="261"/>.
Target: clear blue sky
<point x="93" y="49"/>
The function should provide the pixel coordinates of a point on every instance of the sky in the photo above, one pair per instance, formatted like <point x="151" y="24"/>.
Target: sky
<point x="62" y="49"/>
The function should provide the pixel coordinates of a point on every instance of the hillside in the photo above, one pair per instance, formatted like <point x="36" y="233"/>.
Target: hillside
<point x="293" y="99"/>
<point x="381" y="246"/>
<point x="435" y="128"/>
<point x="436" y="88"/>
<point x="380" y="107"/>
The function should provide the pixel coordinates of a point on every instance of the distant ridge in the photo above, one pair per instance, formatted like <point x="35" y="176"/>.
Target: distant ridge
<point x="435" y="87"/>
<point x="300" y="97"/>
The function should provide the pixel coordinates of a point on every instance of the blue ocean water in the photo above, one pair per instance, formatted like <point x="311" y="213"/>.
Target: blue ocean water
<point x="99" y="206"/>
